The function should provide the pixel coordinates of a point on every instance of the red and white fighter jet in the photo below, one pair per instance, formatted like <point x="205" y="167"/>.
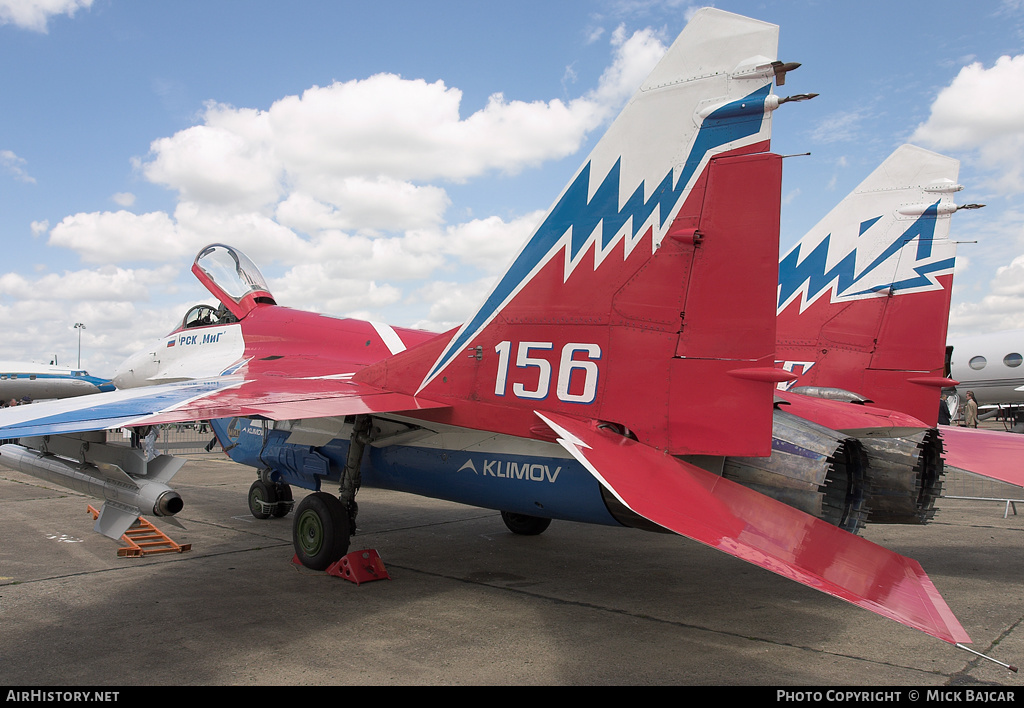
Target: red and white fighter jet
<point x="619" y="372"/>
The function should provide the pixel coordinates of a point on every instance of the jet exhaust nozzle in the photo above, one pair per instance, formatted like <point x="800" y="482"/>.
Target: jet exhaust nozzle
<point x="819" y="471"/>
<point x="168" y="504"/>
<point x="906" y="475"/>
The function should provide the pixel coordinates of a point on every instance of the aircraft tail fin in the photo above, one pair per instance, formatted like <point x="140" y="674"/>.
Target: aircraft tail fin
<point x="645" y="296"/>
<point x="863" y="298"/>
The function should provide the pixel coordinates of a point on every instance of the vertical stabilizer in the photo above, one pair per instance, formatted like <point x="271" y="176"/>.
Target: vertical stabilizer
<point x="645" y="296"/>
<point x="863" y="299"/>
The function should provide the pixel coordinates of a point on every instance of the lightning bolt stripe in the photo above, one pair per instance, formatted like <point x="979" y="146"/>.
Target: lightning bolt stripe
<point x="810" y="278"/>
<point x="573" y="221"/>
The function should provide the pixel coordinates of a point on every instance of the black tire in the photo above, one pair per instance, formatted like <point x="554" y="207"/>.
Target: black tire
<point x="320" y="531"/>
<point x="284" y="495"/>
<point x="525" y="525"/>
<point x="261" y="492"/>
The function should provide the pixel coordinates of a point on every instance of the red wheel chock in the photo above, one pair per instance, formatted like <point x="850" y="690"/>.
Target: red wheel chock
<point x="357" y="567"/>
<point x="360" y="567"/>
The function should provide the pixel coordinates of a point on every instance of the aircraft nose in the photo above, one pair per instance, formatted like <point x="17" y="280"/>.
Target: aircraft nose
<point x="129" y="374"/>
<point x="123" y="378"/>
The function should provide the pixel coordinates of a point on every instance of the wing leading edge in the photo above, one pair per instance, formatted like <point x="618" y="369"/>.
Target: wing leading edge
<point x="273" y="397"/>
<point x="755" y="528"/>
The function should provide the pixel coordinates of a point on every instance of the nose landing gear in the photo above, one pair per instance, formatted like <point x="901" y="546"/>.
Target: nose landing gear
<point x="268" y="499"/>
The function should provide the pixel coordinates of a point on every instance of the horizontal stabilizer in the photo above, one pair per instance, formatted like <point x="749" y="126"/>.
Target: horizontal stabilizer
<point x="755" y="528"/>
<point x="989" y="453"/>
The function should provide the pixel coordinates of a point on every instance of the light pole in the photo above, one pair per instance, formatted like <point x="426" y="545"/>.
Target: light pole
<point x="79" y="326"/>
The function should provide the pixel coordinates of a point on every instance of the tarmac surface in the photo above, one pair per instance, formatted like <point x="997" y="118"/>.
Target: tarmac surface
<point x="469" y="603"/>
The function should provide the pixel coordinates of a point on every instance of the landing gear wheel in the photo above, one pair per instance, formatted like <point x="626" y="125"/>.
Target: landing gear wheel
<point x="262" y="499"/>
<point x="284" y="501"/>
<point x="525" y="525"/>
<point x="320" y="531"/>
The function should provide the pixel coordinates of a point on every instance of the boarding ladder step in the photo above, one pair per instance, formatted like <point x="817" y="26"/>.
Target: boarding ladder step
<point x="144" y="538"/>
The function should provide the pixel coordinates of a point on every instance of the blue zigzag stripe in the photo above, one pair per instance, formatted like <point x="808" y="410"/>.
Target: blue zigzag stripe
<point x="733" y="121"/>
<point x="793" y="273"/>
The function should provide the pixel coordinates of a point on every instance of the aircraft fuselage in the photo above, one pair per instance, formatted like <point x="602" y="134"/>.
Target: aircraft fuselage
<point x="990" y="365"/>
<point x="41" y="382"/>
<point x="478" y="468"/>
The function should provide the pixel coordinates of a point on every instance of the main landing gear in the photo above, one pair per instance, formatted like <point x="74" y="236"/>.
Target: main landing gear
<point x="268" y="498"/>
<point x="320" y="530"/>
<point x="324" y="524"/>
<point x="525" y="525"/>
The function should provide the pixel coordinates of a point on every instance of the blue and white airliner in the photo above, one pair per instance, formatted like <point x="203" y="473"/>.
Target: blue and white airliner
<point x="20" y="380"/>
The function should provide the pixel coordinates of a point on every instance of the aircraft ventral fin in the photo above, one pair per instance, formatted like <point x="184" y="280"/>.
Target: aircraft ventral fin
<point x="755" y="528"/>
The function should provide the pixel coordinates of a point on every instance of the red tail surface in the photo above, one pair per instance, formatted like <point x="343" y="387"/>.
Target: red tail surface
<point x="864" y="297"/>
<point x="645" y="298"/>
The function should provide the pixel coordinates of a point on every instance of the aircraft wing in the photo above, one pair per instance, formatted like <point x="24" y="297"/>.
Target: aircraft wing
<point x="989" y="453"/>
<point x="269" y="396"/>
<point x="755" y="528"/>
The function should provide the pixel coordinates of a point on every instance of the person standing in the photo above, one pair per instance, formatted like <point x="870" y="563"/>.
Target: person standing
<point x="971" y="411"/>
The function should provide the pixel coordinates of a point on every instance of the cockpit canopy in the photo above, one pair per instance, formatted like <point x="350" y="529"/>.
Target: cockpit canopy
<point x="232" y="278"/>
<point x="206" y="315"/>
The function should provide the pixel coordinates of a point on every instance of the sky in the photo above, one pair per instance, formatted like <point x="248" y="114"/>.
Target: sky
<point x="386" y="160"/>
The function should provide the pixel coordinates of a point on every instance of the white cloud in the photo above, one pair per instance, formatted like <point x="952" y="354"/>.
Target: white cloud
<point x="107" y="283"/>
<point x="980" y="115"/>
<point x="837" y="128"/>
<point x="635" y="58"/>
<point x="39" y="329"/>
<point x="259" y="236"/>
<point x="15" y="166"/>
<point x="982" y="111"/>
<point x="994" y="313"/>
<point x="488" y="243"/>
<point x="384" y="130"/>
<point x="339" y="255"/>
<point x="451" y="303"/>
<point x="366" y="146"/>
<point x="987" y="303"/>
<point x="38" y="315"/>
<point x="111" y="237"/>
<point x="227" y="161"/>
<point x="340" y="193"/>
<point x="359" y="203"/>
<point x="316" y="287"/>
<point x="34" y="14"/>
